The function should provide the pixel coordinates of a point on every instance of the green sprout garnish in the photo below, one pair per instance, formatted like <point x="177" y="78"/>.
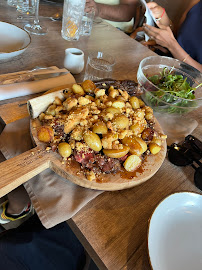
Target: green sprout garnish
<point x="174" y="89"/>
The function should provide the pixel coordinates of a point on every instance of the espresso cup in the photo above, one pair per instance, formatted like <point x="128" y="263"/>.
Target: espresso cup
<point x="74" y="60"/>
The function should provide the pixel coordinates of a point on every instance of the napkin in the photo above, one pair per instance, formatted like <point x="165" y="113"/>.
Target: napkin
<point x="54" y="198"/>
<point x="32" y="87"/>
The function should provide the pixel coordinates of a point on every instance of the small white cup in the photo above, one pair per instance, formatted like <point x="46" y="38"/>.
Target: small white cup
<point x="74" y="60"/>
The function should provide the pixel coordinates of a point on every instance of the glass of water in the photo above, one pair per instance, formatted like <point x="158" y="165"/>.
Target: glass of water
<point x="26" y="6"/>
<point x="72" y="18"/>
<point x="99" y="66"/>
<point x="87" y="23"/>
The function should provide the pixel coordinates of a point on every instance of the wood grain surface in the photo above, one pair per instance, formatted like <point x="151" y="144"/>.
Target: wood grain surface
<point x="112" y="227"/>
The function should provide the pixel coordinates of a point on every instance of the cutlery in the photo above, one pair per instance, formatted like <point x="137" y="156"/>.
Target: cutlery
<point x="31" y="76"/>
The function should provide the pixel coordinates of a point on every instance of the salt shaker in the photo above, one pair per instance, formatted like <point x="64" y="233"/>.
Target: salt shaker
<point x="74" y="60"/>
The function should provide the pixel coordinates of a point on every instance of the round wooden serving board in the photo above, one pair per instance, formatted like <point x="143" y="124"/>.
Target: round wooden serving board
<point x="72" y="170"/>
<point x="20" y="169"/>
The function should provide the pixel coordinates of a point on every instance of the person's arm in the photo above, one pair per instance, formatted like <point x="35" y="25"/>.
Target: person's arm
<point x="164" y="37"/>
<point x="123" y="12"/>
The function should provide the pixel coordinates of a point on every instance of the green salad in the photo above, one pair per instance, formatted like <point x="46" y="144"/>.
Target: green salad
<point x="173" y="89"/>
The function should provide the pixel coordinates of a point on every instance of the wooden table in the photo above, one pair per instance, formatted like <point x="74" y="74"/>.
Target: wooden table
<point x="113" y="227"/>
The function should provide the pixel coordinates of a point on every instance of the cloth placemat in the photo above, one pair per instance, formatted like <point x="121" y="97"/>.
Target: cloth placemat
<point x="54" y="198"/>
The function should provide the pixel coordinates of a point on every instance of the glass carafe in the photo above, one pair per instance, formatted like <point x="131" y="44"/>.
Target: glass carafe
<point x="72" y="18"/>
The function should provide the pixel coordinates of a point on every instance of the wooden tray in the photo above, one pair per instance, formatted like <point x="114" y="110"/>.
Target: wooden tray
<point x="20" y="169"/>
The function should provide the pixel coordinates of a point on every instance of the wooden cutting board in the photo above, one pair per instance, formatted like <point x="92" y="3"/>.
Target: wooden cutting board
<point x="20" y="169"/>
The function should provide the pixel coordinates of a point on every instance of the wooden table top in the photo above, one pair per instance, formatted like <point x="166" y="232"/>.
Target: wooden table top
<point x="113" y="227"/>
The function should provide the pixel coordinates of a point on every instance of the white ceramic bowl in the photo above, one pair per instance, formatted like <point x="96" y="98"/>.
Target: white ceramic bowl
<point x="13" y="40"/>
<point x="175" y="233"/>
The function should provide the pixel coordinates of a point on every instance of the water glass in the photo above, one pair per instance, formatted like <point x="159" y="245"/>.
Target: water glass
<point x="87" y="23"/>
<point x="26" y="6"/>
<point x="72" y="17"/>
<point x="12" y="3"/>
<point x="99" y="66"/>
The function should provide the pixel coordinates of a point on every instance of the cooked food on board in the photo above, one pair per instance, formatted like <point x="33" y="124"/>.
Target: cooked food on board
<point x="102" y="127"/>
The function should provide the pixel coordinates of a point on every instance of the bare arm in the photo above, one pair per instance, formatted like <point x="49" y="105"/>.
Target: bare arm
<point x="123" y="12"/>
<point x="164" y="37"/>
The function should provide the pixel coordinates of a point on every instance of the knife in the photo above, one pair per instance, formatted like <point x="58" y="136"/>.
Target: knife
<point x="29" y="76"/>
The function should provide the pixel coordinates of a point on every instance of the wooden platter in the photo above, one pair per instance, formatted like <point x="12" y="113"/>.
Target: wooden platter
<point x="20" y="169"/>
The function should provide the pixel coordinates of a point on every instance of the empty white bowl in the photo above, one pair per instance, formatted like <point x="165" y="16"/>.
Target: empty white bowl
<point x="175" y="233"/>
<point x="14" y="40"/>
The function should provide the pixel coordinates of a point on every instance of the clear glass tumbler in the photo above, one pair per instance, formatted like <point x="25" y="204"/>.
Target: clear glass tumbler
<point x="99" y="66"/>
<point x="26" y="6"/>
<point x="87" y="23"/>
<point x="12" y="2"/>
<point x="72" y="18"/>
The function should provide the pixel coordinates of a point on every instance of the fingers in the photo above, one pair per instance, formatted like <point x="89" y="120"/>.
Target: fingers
<point x="150" y="29"/>
<point x="152" y="5"/>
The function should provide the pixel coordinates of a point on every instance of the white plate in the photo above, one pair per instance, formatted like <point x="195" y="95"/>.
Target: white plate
<point x="13" y="40"/>
<point x="175" y="233"/>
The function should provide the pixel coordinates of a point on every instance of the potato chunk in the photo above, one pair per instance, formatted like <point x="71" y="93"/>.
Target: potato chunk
<point x="92" y="140"/>
<point x="121" y="122"/>
<point x="113" y="110"/>
<point x="136" y="144"/>
<point x="154" y="148"/>
<point x="45" y="134"/>
<point x="100" y="128"/>
<point x="134" y="101"/>
<point x="118" y="104"/>
<point x="64" y="149"/>
<point x="88" y="86"/>
<point x="132" y="163"/>
<point x="69" y="103"/>
<point x="77" y="89"/>
<point x="116" y="153"/>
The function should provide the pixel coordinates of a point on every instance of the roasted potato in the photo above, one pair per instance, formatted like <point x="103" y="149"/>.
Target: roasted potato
<point x="132" y="163"/>
<point x="134" y="101"/>
<point x="100" y="128"/>
<point x="92" y="140"/>
<point x="51" y="110"/>
<point x="113" y="110"/>
<point x="120" y="122"/>
<point x="77" y="89"/>
<point x="88" y="86"/>
<point x="137" y="128"/>
<point x="118" y="104"/>
<point x="154" y="148"/>
<point x="45" y="134"/>
<point x="64" y="149"/>
<point x="137" y="145"/>
<point x="116" y="153"/>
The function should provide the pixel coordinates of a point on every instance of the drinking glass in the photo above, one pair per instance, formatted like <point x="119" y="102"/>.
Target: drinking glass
<point x="12" y="2"/>
<point x="87" y="23"/>
<point x="36" y="28"/>
<point x="26" y="6"/>
<point x="72" y="17"/>
<point x="99" y="66"/>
